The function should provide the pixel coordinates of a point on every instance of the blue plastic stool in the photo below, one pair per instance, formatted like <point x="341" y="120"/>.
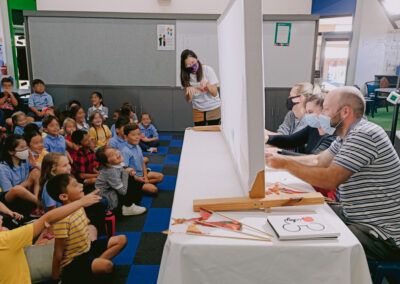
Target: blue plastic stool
<point x="380" y="269"/>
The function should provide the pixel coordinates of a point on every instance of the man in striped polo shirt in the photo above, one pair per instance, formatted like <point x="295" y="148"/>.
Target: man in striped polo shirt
<point x="363" y="166"/>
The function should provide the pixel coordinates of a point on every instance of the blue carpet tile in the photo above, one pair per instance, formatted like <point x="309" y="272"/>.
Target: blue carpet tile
<point x="139" y="262"/>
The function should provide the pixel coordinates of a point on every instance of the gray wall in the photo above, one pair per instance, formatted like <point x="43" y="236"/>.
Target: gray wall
<point x="167" y="105"/>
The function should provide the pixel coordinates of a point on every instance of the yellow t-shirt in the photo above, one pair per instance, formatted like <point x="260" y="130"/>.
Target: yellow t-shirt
<point x="40" y="157"/>
<point x="101" y="135"/>
<point x="13" y="265"/>
<point x="74" y="229"/>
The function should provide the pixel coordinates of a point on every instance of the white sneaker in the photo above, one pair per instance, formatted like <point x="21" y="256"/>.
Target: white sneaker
<point x="151" y="149"/>
<point x="133" y="210"/>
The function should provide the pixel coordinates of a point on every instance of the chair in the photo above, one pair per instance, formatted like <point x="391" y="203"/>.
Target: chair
<point x="380" y="269"/>
<point x="371" y="86"/>
<point x="370" y="97"/>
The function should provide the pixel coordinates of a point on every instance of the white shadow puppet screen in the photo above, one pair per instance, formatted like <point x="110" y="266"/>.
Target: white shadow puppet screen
<point x="242" y="89"/>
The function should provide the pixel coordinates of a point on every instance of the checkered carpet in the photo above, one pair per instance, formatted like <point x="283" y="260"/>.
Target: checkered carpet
<point x="140" y="261"/>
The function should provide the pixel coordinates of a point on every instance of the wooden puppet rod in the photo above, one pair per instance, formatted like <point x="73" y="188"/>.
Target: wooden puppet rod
<point x="245" y="203"/>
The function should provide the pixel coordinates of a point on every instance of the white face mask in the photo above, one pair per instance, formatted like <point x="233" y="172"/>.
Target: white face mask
<point x="22" y="155"/>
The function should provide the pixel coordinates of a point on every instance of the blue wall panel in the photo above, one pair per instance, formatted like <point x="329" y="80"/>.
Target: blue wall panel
<point x="334" y="7"/>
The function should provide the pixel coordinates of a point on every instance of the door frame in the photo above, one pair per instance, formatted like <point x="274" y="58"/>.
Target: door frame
<point x="334" y="36"/>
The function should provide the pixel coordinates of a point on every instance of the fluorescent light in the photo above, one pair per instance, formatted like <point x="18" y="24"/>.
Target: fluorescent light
<point x="392" y="7"/>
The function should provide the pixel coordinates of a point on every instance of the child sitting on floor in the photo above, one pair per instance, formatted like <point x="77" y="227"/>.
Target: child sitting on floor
<point x="79" y="259"/>
<point x="12" y="257"/>
<point x="149" y="135"/>
<point x="128" y="110"/>
<point x="118" y="141"/>
<point x="84" y="166"/>
<point x="17" y="177"/>
<point x="55" y="164"/>
<point x="35" y="143"/>
<point x="19" y="122"/>
<point x="99" y="132"/>
<point x="133" y="158"/>
<point x="69" y="127"/>
<point x="98" y="105"/>
<point x="54" y="142"/>
<point x="117" y="184"/>
<point x="39" y="100"/>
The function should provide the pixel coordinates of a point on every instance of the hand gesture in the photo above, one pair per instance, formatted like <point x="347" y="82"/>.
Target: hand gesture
<point x="16" y="215"/>
<point x="203" y="84"/>
<point x="190" y="91"/>
<point x="91" y="198"/>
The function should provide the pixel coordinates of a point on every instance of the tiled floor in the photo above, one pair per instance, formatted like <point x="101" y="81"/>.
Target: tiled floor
<point x="139" y="262"/>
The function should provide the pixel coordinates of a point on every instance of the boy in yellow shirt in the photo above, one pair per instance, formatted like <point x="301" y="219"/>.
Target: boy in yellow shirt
<point x="79" y="259"/>
<point x="14" y="267"/>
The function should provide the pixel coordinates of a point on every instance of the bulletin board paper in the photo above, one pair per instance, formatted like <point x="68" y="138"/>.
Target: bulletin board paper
<point x="165" y="37"/>
<point x="282" y="34"/>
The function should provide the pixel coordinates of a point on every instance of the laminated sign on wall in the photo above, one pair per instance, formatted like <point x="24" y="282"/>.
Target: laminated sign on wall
<point x="165" y="37"/>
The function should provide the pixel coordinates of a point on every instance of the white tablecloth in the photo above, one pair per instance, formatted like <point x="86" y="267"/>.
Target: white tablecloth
<point x="206" y="171"/>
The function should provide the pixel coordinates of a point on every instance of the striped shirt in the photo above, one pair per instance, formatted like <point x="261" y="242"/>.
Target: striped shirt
<point x="74" y="229"/>
<point x="373" y="191"/>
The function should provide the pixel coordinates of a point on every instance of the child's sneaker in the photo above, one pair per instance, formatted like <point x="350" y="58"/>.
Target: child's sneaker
<point x="152" y="150"/>
<point x="133" y="210"/>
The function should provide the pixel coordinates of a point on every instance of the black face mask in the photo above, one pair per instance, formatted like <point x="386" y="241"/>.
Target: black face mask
<point x="290" y="104"/>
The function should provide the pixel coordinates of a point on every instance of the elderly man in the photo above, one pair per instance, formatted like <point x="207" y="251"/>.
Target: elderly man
<point x="363" y="165"/>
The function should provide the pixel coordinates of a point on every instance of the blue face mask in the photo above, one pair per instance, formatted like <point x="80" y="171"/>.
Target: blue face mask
<point x="325" y="122"/>
<point x="312" y="120"/>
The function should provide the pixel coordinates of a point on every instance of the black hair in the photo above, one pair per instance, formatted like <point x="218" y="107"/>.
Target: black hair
<point x="122" y="121"/>
<point x="100" y="96"/>
<point x="185" y="72"/>
<point x="74" y="102"/>
<point x="101" y="156"/>
<point x="130" y="127"/>
<point x="31" y="127"/>
<point x="145" y="113"/>
<point x="58" y="185"/>
<point x="37" y="82"/>
<point x="78" y="135"/>
<point x="28" y="135"/>
<point x="49" y="119"/>
<point x="10" y="143"/>
<point x="6" y="80"/>
<point x="74" y="111"/>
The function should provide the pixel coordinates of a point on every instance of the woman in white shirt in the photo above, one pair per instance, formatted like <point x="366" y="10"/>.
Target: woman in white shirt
<point x="200" y="83"/>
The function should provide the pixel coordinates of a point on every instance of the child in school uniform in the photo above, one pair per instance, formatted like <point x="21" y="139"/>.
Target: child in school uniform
<point x="99" y="132"/>
<point x="98" y="105"/>
<point x="133" y="158"/>
<point x="118" y="141"/>
<point x="78" y="114"/>
<point x="149" y="135"/>
<point x="19" y="122"/>
<point x="13" y="263"/>
<point x="84" y="166"/>
<point x="54" y="142"/>
<point x="117" y="184"/>
<point x="17" y="177"/>
<point x="35" y="143"/>
<point x="39" y="100"/>
<point x="79" y="259"/>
